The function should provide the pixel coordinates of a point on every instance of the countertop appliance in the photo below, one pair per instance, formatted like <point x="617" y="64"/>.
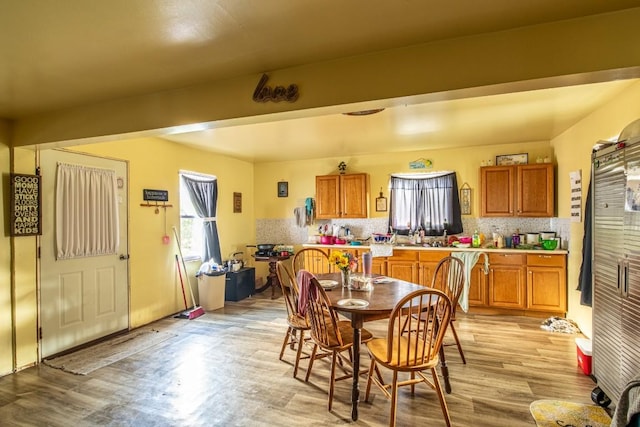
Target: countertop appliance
<point x="616" y="267"/>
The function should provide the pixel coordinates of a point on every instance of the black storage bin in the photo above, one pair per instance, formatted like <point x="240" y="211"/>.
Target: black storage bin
<point x="240" y="284"/>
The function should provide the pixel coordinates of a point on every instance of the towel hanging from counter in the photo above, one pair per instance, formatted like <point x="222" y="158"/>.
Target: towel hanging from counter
<point x="469" y="259"/>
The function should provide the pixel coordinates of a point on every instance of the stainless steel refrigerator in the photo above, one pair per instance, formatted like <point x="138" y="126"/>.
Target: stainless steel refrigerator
<point x="616" y="267"/>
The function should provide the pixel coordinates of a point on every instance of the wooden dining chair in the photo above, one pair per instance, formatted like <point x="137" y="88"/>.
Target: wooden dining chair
<point x="297" y="324"/>
<point x="313" y="260"/>
<point x="412" y="346"/>
<point x="448" y="277"/>
<point x="331" y="335"/>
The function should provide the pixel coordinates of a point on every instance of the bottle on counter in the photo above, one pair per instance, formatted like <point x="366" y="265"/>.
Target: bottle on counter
<point x="475" y="239"/>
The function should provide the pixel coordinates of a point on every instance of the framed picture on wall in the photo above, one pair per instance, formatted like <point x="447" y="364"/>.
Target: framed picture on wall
<point x="283" y="189"/>
<point x="237" y="202"/>
<point x="381" y="204"/>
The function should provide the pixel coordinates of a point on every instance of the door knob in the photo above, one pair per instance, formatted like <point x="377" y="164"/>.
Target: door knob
<point x="124" y="257"/>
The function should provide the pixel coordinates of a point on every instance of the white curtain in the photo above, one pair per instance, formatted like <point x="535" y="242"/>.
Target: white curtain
<point x="86" y="212"/>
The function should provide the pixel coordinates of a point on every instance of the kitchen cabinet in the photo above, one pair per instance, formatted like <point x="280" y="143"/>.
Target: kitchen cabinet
<point x="428" y="261"/>
<point x="506" y="280"/>
<point x="517" y="190"/>
<point x="379" y="266"/>
<point x="478" y="286"/>
<point x="519" y="282"/>
<point x="546" y="282"/>
<point x="341" y="196"/>
<point x="403" y="265"/>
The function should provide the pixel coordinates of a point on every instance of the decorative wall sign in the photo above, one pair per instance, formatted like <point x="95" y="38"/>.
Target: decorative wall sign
<point x="575" y="178"/>
<point x="26" y="198"/>
<point x="237" y="202"/>
<point x="283" y="189"/>
<point x="155" y="195"/>
<point x="512" y="159"/>
<point x="421" y="164"/>
<point x="264" y="93"/>
<point x="381" y="203"/>
<point x="465" y="199"/>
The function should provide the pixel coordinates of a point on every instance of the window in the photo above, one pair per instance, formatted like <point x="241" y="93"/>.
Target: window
<point x="427" y="201"/>
<point x="198" y="228"/>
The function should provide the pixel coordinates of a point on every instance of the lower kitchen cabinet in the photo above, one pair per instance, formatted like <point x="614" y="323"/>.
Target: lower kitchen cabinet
<point x="524" y="283"/>
<point x="403" y="266"/>
<point x="478" y="286"/>
<point x="428" y="261"/>
<point x="546" y="282"/>
<point x="506" y="280"/>
<point x="379" y="266"/>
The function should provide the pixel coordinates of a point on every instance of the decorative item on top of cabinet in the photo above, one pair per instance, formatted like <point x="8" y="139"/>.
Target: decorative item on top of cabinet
<point x="341" y="196"/>
<point x="517" y="190"/>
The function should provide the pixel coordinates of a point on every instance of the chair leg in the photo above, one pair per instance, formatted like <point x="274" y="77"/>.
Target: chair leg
<point x="287" y="337"/>
<point x="372" y="368"/>
<point x="443" y="403"/>
<point x="334" y="356"/>
<point x="311" y="359"/>
<point x="455" y="335"/>
<point x="298" y="354"/>
<point x="394" y="400"/>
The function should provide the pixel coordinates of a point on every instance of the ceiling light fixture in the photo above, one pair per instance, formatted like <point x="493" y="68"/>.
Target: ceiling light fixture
<point x="364" y="112"/>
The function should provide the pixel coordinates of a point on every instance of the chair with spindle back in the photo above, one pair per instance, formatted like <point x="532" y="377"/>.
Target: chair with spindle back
<point x="297" y="323"/>
<point x="412" y="346"/>
<point x="331" y="335"/>
<point x="313" y="260"/>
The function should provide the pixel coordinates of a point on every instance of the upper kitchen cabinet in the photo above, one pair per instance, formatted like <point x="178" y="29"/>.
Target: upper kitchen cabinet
<point x="341" y="196"/>
<point x="519" y="190"/>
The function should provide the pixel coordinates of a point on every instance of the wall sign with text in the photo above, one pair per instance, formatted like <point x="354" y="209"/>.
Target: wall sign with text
<point x="26" y="205"/>
<point x="155" y="195"/>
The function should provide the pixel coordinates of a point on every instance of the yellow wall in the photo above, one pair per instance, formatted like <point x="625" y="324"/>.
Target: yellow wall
<point x="154" y="163"/>
<point x="573" y="151"/>
<point x="6" y="332"/>
<point x="301" y="174"/>
<point x="25" y="288"/>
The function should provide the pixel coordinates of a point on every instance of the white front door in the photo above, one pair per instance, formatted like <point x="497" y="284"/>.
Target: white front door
<point x="86" y="298"/>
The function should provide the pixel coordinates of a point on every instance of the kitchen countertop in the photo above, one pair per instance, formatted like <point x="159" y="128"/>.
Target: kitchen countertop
<point x="452" y="249"/>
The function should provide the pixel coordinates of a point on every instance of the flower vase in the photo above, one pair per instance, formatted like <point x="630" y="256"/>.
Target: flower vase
<point x="345" y="278"/>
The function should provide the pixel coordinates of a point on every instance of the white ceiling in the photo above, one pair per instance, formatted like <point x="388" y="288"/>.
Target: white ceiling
<point x="70" y="53"/>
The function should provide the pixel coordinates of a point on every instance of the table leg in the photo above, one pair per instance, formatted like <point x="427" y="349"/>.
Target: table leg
<point x="273" y="278"/>
<point x="355" y="391"/>
<point x="356" y="322"/>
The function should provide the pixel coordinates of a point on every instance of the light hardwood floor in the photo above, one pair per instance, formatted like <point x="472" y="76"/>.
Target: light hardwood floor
<point x="222" y="369"/>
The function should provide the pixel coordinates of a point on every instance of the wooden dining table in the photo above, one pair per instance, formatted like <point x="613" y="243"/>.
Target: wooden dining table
<point x="382" y="298"/>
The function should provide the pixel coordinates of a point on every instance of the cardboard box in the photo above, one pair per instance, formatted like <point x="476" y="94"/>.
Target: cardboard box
<point x="583" y="350"/>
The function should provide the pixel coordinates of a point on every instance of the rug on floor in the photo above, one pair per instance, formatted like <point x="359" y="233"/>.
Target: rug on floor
<point x="557" y="413"/>
<point x="87" y="360"/>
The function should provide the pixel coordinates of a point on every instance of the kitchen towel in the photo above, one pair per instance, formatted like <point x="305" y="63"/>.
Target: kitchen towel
<point x="469" y="259"/>
<point x="301" y="217"/>
<point x="307" y="290"/>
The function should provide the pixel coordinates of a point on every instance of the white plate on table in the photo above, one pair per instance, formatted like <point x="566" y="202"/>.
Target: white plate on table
<point x="328" y="284"/>
<point x="379" y="280"/>
<point x="353" y="303"/>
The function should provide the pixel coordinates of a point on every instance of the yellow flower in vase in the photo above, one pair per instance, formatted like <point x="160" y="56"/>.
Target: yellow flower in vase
<point x="346" y="262"/>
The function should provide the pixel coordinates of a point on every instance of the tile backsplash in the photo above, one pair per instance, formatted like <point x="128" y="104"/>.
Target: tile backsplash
<point x="286" y="231"/>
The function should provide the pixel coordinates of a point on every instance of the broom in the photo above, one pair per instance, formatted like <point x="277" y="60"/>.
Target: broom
<point x="196" y="311"/>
